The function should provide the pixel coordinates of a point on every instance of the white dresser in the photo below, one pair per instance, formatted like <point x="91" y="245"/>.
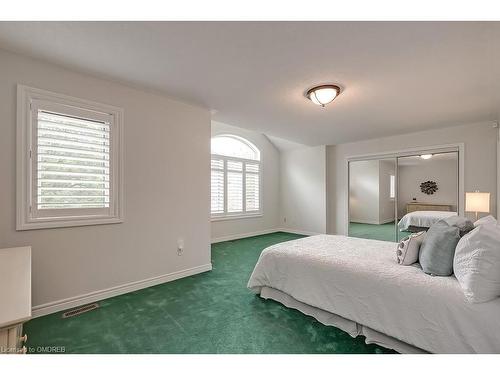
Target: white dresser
<point x="15" y="298"/>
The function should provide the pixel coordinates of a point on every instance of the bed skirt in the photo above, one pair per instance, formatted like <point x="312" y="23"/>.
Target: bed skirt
<point x="352" y="328"/>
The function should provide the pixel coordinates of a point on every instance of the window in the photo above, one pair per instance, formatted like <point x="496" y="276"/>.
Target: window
<point x="392" y="187"/>
<point x="69" y="161"/>
<point x="236" y="181"/>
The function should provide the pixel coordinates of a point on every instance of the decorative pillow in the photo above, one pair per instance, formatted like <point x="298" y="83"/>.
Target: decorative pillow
<point x="477" y="263"/>
<point x="408" y="248"/>
<point x="463" y="224"/>
<point x="485" y="220"/>
<point x="438" y="249"/>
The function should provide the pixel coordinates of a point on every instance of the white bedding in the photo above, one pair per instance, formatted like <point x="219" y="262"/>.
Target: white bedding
<point x="423" y="218"/>
<point x="360" y="280"/>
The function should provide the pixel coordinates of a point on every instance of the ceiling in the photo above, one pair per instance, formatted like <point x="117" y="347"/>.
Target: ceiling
<point x="397" y="77"/>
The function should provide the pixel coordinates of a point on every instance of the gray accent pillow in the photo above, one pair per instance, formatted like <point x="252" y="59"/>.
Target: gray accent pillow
<point x="463" y="224"/>
<point x="438" y="249"/>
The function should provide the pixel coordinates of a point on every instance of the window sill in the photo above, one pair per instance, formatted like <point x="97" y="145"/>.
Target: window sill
<point x="67" y="223"/>
<point x="236" y="217"/>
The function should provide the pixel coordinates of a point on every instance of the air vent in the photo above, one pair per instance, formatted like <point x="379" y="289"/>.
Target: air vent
<point x="80" y="310"/>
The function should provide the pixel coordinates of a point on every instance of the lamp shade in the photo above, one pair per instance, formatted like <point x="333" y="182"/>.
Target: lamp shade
<point x="477" y="202"/>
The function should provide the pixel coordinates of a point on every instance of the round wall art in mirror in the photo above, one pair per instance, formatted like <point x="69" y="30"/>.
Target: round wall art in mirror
<point x="429" y="187"/>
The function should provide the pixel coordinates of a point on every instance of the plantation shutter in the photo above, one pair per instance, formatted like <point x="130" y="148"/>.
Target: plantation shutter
<point x="252" y="187"/>
<point x="234" y="186"/>
<point x="236" y="178"/>
<point x="217" y="186"/>
<point x="72" y="162"/>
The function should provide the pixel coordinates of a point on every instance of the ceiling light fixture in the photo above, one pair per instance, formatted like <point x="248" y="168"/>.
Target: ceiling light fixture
<point x="323" y="95"/>
<point x="426" y="156"/>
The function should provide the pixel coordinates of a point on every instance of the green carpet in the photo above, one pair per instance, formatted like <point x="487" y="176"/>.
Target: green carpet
<point x="382" y="232"/>
<point x="212" y="312"/>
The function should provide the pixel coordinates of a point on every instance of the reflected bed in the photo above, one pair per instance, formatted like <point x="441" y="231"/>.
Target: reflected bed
<point x="422" y="220"/>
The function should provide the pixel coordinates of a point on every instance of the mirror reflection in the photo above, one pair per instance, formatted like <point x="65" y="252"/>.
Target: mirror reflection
<point x="427" y="192"/>
<point x="391" y="198"/>
<point x="372" y="199"/>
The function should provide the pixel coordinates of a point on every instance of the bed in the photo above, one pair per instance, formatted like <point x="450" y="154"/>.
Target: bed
<point x="356" y="285"/>
<point x="422" y="220"/>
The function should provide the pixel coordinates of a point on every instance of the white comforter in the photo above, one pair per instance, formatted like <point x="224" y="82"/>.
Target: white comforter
<point x="423" y="218"/>
<point x="360" y="280"/>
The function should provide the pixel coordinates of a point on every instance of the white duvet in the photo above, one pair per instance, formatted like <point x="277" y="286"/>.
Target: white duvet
<point x="423" y="218"/>
<point x="360" y="280"/>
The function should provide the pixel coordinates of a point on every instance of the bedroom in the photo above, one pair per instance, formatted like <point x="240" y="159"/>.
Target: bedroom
<point x="217" y="199"/>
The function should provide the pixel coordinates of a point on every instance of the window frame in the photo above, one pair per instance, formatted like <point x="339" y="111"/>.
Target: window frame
<point x="29" y="100"/>
<point x="392" y="187"/>
<point x="244" y="214"/>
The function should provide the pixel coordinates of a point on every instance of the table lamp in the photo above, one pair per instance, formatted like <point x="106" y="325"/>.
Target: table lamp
<point x="477" y="202"/>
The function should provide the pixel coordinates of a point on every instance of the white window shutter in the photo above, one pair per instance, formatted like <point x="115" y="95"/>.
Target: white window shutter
<point x="217" y="186"/>
<point x="72" y="162"/>
<point x="236" y="177"/>
<point x="252" y="192"/>
<point x="234" y="192"/>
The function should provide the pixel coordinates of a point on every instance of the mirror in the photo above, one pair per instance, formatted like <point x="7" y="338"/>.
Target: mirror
<point x="390" y="198"/>
<point x="427" y="190"/>
<point x="372" y="199"/>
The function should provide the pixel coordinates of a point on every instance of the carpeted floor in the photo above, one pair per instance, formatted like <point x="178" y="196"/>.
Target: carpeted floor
<point x="212" y="312"/>
<point x="382" y="232"/>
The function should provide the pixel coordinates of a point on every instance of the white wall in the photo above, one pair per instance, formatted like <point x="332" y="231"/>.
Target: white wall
<point x="479" y="162"/>
<point x="369" y="191"/>
<point x="167" y="175"/>
<point x="229" y="229"/>
<point x="386" y="203"/>
<point x="443" y="171"/>
<point x="303" y="190"/>
<point x="364" y="191"/>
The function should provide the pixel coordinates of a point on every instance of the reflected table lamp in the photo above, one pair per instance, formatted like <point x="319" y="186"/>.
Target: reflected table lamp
<point x="477" y="202"/>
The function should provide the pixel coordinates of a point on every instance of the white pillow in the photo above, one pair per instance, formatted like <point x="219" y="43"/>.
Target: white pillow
<point x="485" y="220"/>
<point x="477" y="263"/>
<point x="408" y="249"/>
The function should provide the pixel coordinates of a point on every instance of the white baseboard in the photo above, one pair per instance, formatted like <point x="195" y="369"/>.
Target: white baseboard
<point x="243" y="235"/>
<point x="68" y="303"/>
<point x="298" y="231"/>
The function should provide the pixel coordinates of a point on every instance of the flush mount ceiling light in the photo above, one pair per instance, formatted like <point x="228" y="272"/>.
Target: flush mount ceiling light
<point x="426" y="156"/>
<point x="323" y="95"/>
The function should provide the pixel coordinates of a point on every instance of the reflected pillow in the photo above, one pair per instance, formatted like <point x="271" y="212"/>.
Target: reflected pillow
<point x="408" y="249"/>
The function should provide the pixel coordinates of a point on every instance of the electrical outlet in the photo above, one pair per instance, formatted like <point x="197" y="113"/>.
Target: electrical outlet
<point x="180" y="246"/>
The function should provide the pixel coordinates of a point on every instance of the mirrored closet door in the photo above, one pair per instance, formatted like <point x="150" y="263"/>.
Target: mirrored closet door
<point x="428" y="187"/>
<point x="372" y="199"/>
<point x="392" y="197"/>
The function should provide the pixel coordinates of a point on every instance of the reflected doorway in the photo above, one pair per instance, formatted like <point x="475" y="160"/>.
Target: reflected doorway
<point x="372" y="199"/>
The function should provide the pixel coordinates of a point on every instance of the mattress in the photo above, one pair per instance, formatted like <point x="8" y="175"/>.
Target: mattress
<point x="423" y="218"/>
<point x="360" y="280"/>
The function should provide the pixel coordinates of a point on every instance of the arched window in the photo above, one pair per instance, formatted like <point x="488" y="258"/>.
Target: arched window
<point x="236" y="182"/>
